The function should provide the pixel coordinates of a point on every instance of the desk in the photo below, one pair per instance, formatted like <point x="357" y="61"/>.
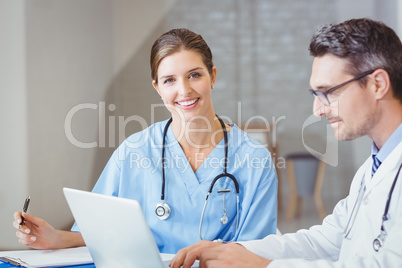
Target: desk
<point x="6" y="265"/>
<point x="164" y="257"/>
<point x="69" y="257"/>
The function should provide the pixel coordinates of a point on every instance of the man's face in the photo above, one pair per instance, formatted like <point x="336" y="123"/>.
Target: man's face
<point x="351" y="111"/>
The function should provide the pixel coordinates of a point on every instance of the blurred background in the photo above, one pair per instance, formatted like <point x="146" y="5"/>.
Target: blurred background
<point x="75" y="81"/>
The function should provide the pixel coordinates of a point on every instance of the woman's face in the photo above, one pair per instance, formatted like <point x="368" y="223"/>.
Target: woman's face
<point x="184" y="84"/>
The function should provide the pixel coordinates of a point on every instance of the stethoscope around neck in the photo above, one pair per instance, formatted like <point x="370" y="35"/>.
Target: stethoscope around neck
<point x="379" y="241"/>
<point x="163" y="210"/>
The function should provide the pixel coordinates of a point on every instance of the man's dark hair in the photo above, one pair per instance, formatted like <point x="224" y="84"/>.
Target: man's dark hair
<point x="365" y="44"/>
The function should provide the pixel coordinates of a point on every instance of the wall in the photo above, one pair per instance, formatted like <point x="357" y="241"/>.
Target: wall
<point x="69" y="62"/>
<point x="399" y="16"/>
<point x="14" y="182"/>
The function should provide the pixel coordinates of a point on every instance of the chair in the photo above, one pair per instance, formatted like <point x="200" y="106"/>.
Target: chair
<point x="306" y="175"/>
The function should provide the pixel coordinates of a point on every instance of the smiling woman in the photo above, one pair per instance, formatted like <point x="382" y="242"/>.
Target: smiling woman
<point x="185" y="86"/>
<point x="192" y="156"/>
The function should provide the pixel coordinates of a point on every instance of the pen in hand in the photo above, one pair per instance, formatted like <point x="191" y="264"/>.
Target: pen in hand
<point x="25" y="209"/>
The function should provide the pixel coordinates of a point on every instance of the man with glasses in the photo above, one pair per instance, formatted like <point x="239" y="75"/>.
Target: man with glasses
<point x="323" y="95"/>
<point x="357" y="84"/>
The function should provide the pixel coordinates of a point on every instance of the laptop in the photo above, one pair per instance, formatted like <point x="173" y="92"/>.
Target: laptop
<point x="115" y="231"/>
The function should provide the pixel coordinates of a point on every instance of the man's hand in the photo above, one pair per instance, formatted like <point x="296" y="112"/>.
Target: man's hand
<point x="212" y="254"/>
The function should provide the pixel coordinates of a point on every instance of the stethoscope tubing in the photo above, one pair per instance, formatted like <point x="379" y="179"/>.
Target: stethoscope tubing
<point x="163" y="158"/>
<point x="224" y="174"/>
<point x="379" y="241"/>
<point x="356" y="207"/>
<point x="203" y="211"/>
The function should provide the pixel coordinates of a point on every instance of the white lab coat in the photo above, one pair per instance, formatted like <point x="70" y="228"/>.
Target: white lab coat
<point x="325" y="246"/>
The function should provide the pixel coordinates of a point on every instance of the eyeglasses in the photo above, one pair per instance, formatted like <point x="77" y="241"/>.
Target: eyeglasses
<point x="323" y="95"/>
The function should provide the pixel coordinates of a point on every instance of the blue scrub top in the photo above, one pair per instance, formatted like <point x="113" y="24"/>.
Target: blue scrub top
<point x="134" y="171"/>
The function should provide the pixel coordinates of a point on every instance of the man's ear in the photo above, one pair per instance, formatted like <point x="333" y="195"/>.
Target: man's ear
<point x="155" y="85"/>
<point x="382" y="83"/>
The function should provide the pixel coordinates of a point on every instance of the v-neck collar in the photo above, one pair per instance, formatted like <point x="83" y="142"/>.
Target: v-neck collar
<point x="211" y="166"/>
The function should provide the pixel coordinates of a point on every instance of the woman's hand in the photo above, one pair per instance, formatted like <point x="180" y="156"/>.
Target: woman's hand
<point x="38" y="234"/>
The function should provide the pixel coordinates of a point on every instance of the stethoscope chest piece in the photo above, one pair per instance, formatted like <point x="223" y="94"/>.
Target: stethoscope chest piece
<point x="379" y="241"/>
<point x="162" y="210"/>
<point x="224" y="218"/>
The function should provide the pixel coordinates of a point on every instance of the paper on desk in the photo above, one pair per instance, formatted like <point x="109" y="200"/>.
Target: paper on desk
<point x="47" y="258"/>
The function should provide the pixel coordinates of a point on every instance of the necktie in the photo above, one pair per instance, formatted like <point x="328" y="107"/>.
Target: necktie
<point x="376" y="165"/>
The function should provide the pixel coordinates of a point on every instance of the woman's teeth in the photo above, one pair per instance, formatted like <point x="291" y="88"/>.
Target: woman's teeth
<point x="187" y="103"/>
